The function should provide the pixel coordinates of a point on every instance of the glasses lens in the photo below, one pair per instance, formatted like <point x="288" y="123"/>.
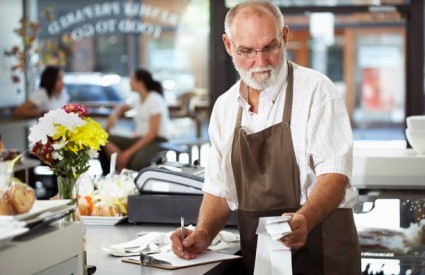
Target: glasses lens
<point x="275" y="49"/>
<point x="250" y="54"/>
<point x="269" y="50"/>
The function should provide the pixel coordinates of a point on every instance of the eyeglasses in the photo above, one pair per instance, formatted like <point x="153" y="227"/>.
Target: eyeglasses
<point x="271" y="49"/>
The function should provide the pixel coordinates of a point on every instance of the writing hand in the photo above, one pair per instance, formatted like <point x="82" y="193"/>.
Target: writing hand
<point x="194" y="243"/>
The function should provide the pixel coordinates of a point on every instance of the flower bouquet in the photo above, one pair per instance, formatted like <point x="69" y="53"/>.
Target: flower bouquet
<point x="65" y="139"/>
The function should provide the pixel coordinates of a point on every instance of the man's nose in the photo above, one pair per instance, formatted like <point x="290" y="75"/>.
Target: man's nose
<point x="261" y="59"/>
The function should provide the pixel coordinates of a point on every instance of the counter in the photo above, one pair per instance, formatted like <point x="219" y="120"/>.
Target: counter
<point x="98" y="236"/>
<point x="54" y="250"/>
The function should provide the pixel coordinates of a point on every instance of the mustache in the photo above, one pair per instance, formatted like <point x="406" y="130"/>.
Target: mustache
<point x="260" y="69"/>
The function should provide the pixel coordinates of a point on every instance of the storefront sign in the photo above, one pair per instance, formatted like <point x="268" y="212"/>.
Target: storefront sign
<point x="84" y="22"/>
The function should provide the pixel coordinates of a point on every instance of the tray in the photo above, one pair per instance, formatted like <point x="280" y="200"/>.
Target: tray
<point x="98" y="220"/>
<point x="39" y="207"/>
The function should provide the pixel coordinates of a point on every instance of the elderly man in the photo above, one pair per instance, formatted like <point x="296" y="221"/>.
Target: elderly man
<point x="281" y="145"/>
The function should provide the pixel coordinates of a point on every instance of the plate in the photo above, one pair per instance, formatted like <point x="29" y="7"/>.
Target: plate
<point x="39" y="207"/>
<point x="98" y="220"/>
<point x="7" y="234"/>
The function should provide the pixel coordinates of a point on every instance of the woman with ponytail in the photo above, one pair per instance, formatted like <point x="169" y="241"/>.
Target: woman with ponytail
<point x="151" y="123"/>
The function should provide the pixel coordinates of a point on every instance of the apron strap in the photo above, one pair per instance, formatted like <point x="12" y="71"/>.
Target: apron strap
<point x="286" y="117"/>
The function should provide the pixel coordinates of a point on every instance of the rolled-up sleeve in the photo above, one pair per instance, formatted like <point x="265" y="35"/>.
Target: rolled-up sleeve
<point x="330" y="136"/>
<point x="218" y="173"/>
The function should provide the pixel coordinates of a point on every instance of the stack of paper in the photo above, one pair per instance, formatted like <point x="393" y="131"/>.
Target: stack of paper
<point x="278" y="227"/>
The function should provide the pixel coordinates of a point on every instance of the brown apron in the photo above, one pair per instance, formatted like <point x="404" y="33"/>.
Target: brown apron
<point x="268" y="184"/>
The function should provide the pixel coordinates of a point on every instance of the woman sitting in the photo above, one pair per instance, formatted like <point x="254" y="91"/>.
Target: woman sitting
<point x="50" y="96"/>
<point x="151" y="121"/>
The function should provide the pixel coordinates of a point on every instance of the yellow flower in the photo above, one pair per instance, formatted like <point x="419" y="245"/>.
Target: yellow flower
<point x="61" y="132"/>
<point x="89" y="136"/>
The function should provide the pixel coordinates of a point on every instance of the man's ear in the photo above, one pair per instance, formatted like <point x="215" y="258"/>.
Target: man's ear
<point x="285" y="35"/>
<point x="227" y="44"/>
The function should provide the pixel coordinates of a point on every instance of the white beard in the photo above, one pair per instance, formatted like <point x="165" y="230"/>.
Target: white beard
<point x="266" y="76"/>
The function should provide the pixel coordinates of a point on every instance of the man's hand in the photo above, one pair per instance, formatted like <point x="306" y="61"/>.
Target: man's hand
<point x="213" y="215"/>
<point x="298" y="236"/>
<point x="324" y="199"/>
<point x="194" y="243"/>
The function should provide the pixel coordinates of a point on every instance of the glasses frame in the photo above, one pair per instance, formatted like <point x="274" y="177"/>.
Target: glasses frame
<point x="252" y="53"/>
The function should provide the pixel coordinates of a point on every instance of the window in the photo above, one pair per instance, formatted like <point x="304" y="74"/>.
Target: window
<point x="170" y="39"/>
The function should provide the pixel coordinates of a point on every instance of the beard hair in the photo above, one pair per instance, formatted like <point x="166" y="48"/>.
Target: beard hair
<point x="266" y="78"/>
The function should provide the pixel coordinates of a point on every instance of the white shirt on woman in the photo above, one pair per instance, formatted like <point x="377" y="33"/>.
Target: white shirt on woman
<point x="320" y="128"/>
<point x="44" y="103"/>
<point x="154" y="104"/>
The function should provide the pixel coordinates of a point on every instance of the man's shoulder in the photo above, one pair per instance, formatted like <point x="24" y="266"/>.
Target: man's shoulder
<point x="315" y="82"/>
<point x="230" y="95"/>
<point x="309" y="74"/>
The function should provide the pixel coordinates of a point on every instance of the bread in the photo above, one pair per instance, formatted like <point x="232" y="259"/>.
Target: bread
<point x="16" y="199"/>
<point x="106" y="210"/>
<point x="5" y="207"/>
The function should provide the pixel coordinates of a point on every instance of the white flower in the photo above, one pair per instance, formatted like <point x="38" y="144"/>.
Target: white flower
<point x="59" y="144"/>
<point x="57" y="155"/>
<point x="46" y="126"/>
<point x="93" y="153"/>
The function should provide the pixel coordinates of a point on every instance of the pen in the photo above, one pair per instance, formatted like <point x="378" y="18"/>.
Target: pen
<point x="181" y="229"/>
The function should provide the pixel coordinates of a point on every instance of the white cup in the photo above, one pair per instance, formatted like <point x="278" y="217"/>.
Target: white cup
<point x="416" y="138"/>
<point x="415" y="122"/>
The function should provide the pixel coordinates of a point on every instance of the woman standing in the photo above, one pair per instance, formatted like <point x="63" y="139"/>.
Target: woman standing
<point x="51" y="95"/>
<point x="151" y="122"/>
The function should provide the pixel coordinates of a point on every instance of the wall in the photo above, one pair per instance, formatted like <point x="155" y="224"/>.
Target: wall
<point x="11" y="11"/>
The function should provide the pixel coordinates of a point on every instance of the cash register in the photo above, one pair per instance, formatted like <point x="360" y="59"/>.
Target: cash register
<point x="168" y="191"/>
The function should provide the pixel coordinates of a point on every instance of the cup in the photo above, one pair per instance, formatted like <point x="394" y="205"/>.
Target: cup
<point x="416" y="138"/>
<point x="415" y="122"/>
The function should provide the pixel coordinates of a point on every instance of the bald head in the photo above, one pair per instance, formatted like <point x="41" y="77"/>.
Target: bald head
<point x="243" y="12"/>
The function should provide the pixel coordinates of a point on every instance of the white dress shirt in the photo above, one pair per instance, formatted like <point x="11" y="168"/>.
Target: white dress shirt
<point x="320" y="127"/>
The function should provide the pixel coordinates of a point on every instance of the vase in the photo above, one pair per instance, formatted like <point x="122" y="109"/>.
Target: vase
<point x="66" y="187"/>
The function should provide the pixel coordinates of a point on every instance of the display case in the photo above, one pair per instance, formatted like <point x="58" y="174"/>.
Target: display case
<point x="391" y="205"/>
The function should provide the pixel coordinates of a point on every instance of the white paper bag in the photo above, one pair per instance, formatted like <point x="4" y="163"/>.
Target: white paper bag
<point x="272" y="256"/>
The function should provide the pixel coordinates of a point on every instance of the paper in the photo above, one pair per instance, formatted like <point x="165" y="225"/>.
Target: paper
<point x="278" y="230"/>
<point x="139" y="243"/>
<point x="176" y="262"/>
<point x="113" y="163"/>
<point x="272" y="256"/>
<point x="222" y="241"/>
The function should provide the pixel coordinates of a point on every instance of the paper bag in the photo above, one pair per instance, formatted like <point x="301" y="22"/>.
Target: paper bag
<point x="272" y="256"/>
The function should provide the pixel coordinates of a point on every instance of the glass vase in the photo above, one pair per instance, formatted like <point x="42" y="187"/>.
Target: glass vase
<point x="66" y="187"/>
